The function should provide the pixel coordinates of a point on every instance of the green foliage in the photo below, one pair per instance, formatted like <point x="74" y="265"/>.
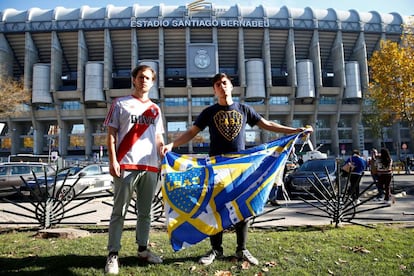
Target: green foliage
<point x="350" y="250"/>
<point x="391" y="87"/>
<point x="373" y="118"/>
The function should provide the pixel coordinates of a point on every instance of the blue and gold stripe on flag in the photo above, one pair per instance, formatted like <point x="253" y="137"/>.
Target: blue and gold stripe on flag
<point x="204" y="196"/>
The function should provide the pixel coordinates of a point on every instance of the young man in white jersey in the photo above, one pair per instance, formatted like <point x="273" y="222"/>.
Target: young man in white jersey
<point x="135" y="137"/>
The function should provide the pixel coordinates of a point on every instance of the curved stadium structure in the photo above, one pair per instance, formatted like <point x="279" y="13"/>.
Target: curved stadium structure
<point x="294" y="66"/>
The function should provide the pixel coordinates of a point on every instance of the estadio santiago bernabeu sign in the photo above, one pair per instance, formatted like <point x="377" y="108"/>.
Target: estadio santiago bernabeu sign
<point x="200" y="14"/>
<point x="199" y="22"/>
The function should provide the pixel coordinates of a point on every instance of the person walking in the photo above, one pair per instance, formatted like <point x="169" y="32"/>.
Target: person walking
<point x="407" y="164"/>
<point x="226" y="121"/>
<point x="134" y="140"/>
<point x="384" y="171"/>
<point x="359" y="166"/>
<point x="372" y="166"/>
<point x="374" y="173"/>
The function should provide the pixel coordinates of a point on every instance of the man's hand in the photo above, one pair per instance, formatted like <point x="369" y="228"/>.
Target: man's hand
<point x="115" y="169"/>
<point x="306" y="128"/>
<point x="166" y="148"/>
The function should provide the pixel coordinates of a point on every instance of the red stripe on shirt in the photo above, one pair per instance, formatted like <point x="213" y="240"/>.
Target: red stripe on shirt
<point x="135" y="133"/>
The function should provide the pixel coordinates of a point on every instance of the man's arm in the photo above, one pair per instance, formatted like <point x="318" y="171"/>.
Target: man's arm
<point x="275" y="127"/>
<point x="114" y="168"/>
<point x="159" y="140"/>
<point x="182" y="139"/>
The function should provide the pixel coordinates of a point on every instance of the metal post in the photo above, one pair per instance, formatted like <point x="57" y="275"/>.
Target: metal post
<point x="48" y="210"/>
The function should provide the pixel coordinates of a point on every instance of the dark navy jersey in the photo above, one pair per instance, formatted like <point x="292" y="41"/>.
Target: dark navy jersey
<point x="227" y="126"/>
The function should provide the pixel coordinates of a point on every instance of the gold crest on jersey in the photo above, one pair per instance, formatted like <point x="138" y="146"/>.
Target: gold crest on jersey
<point x="229" y="123"/>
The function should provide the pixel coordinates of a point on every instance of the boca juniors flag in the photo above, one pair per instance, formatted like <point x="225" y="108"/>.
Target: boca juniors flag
<point x="204" y="196"/>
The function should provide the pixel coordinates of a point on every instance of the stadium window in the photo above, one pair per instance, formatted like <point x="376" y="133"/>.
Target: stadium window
<point x="202" y="101"/>
<point x="327" y="100"/>
<point x="45" y="106"/>
<point x="176" y="126"/>
<point x="71" y="105"/>
<point x="279" y="100"/>
<point x="180" y="101"/>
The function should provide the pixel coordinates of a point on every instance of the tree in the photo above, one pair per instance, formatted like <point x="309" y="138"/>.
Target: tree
<point x="12" y="96"/>
<point x="391" y="89"/>
<point x="373" y="119"/>
<point x="392" y="77"/>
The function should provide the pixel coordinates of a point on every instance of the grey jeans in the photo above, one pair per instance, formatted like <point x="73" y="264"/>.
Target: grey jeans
<point x="144" y="184"/>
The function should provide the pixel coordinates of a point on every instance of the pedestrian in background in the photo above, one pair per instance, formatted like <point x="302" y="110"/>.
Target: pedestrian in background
<point x="407" y="164"/>
<point x="384" y="170"/>
<point x="359" y="166"/>
<point x="374" y="174"/>
<point x="372" y="166"/>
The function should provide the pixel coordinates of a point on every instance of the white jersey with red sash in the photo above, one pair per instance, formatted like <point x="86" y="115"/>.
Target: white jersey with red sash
<point x="137" y="123"/>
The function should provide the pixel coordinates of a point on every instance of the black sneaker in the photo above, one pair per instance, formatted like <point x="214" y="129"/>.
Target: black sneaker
<point x="149" y="257"/>
<point x="273" y="202"/>
<point x="210" y="257"/>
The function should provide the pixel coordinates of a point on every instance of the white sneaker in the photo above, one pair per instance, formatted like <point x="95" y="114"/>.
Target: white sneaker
<point x="112" y="265"/>
<point x="210" y="257"/>
<point x="247" y="256"/>
<point x="149" y="257"/>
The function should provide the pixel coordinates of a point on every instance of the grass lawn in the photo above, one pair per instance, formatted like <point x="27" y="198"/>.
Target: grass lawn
<point x="350" y="250"/>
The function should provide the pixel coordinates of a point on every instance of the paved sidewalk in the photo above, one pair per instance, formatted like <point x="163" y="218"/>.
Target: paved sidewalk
<point x="289" y="213"/>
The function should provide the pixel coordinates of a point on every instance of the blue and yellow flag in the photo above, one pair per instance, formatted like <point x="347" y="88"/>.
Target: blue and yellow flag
<point x="204" y="196"/>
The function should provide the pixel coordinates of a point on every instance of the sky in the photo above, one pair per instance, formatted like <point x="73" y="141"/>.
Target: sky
<point x="403" y="7"/>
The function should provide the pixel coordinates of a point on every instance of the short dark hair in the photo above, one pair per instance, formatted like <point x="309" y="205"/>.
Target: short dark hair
<point x="143" y="67"/>
<point x="219" y="76"/>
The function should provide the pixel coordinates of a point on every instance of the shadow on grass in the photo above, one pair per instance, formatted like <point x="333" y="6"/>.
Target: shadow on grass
<point x="65" y="265"/>
<point x="54" y="265"/>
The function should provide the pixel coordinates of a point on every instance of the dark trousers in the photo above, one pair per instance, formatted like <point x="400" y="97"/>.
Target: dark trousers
<point x="380" y="189"/>
<point x="354" y="181"/>
<point x="384" y="180"/>
<point x="216" y="240"/>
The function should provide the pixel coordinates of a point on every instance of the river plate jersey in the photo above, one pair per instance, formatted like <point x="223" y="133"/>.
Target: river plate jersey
<point x="227" y="126"/>
<point x="138" y="123"/>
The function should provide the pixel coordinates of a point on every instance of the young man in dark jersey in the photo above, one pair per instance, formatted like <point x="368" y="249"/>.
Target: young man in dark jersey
<point x="227" y="121"/>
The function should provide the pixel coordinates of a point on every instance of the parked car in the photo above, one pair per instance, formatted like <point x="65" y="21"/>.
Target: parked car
<point x="11" y="174"/>
<point x="297" y="182"/>
<point x="88" y="181"/>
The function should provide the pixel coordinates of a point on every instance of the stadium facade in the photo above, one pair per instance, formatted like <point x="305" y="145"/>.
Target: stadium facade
<point x="294" y="66"/>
